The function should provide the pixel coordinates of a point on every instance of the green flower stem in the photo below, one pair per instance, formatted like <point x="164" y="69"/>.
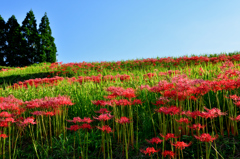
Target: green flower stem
<point x="34" y="144"/>
<point x="9" y="140"/>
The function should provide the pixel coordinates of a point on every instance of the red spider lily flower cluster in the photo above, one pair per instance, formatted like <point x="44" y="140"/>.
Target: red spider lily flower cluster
<point x="206" y="137"/>
<point x="8" y="120"/>
<point x="102" y="111"/>
<point x="183" y="120"/>
<point x="181" y="145"/>
<point x="236" y="119"/>
<point x="114" y="102"/>
<point x="149" y="151"/>
<point x="27" y="121"/>
<point x="155" y="140"/>
<point x="104" y="117"/>
<point x="49" y="102"/>
<point x="40" y="113"/>
<point x="86" y="126"/>
<point x="77" y="127"/>
<point x="197" y="126"/>
<point x="78" y="120"/>
<point x="168" y="153"/>
<point x="37" y="82"/>
<point x="212" y="113"/>
<point x="74" y="128"/>
<point x="123" y="120"/>
<point x="105" y="128"/>
<point x="172" y="110"/>
<point x="3" y="136"/>
<point x="119" y="91"/>
<point x="5" y="114"/>
<point x="168" y="136"/>
<point x="193" y="114"/>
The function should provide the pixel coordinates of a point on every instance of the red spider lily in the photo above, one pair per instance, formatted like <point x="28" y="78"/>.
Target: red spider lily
<point x="155" y="140"/>
<point x="28" y="120"/>
<point x="75" y="119"/>
<point x="136" y="101"/>
<point x="9" y="120"/>
<point x="183" y="120"/>
<point x="169" y="135"/>
<point x="170" y="153"/>
<point x="105" y="128"/>
<point x="121" y="102"/>
<point x="181" y="145"/>
<point x="172" y="110"/>
<point x="87" y="120"/>
<point x="236" y="119"/>
<point x="3" y="136"/>
<point x="193" y="114"/>
<point x="102" y="111"/>
<point x="4" y="124"/>
<point x="85" y="126"/>
<point x="74" y="127"/>
<point x="197" y="126"/>
<point x="104" y="117"/>
<point x="206" y="137"/>
<point x="123" y="120"/>
<point x="38" y="113"/>
<point x="149" y="151"/>
<point x="212" y="113"/>
<point x="5" y="114"/>
<point x="101" y="103"/>
<point x="49" y="113"/>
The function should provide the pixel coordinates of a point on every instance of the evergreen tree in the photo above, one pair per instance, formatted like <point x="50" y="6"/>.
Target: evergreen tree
<point x="30" y="34"/>
<point x="15" y="44"/>
<point x="47" y="46"/>
<point x="2" y="41"/>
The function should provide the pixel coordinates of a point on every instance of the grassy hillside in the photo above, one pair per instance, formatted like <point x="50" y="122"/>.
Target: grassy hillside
<point x="157" y="96"/>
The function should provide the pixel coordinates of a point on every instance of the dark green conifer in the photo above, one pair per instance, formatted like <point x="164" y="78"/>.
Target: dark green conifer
<point x="47" y="46"/>
<point x="15" y="44"/>
<point x="30" y="34"/>
<point x="2" y="41"/>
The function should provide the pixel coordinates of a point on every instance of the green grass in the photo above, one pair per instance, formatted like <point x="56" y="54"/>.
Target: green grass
<point x="83" y="95"/>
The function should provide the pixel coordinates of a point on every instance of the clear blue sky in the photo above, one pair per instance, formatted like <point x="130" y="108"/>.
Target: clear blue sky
<point x="114" y="30"/>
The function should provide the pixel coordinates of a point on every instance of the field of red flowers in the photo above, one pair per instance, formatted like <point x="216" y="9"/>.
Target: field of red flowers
<point x="185" y="107"/>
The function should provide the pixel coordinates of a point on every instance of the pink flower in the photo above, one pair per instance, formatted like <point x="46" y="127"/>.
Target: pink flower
<point x="102" y="111"/>
<point x="168" y="135"/>
<point x="9" y="120"/>
<point x="170" y="153"/>
<point x="85" y="126"/>
<point x="149" y="151"/>
<point x="38" y="113"/>
<point x="183" y="120"/>
<point x="104" y="117"/>
<point x="28" y="120"/>
<point x="181" y="145"/>
<point x="75" y="119"/>
<point x="123" y="120"/>
<point x="236" y="119"/>
<point x="74" y="127"/>
<point x="105" y="128"/>
<point x="3" y="136"/>
<point x="155" y="140"/>
<point x="5" y="114"/>
<point x="196" y="126"/>
<point x="87" y="120"/>
<point x="206" y="137"/>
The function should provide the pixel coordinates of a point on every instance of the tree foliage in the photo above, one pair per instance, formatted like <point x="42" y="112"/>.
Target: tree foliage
<point x="15" y="43"/>
<point x="48" y="48"/>
<point x="25" y="45"/>
<point x="30" y="34"/>
<point x="2" y="40"/>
